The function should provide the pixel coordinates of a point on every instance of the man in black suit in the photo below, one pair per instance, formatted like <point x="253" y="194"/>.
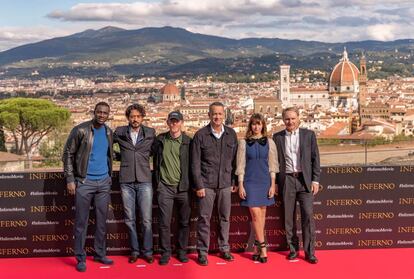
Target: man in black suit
<point x="136" y="143"/>
<point x="298" y="180"/>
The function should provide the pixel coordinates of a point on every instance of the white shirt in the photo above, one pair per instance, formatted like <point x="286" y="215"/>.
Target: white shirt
<point x="292" y="147"/>
<point x="134" y="135"/>
<point x="217" y="135"/>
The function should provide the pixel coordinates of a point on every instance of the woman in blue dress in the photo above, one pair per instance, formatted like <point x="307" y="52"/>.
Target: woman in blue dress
<point x="257" y="165"/>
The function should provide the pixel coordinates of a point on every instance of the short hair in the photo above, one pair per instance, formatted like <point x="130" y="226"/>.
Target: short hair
<point x="256" y="117"/>
<point x="215" y="104"/>
<point x="294" y="109"/>
<point x="101" y="104"/>
<point x="136" y="107"/>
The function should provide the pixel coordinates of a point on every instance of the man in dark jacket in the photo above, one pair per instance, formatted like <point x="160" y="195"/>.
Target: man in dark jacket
<point x="171" y="171"/>
<point x="213" y="161"/>
<point x="87" y="160"/>
<point x="298" y="181"/>
<point x="135" y="142"/>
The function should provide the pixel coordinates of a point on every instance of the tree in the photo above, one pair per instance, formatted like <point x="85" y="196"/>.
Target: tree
<point x="30" y="120"/>
<point x="2" y="140"/>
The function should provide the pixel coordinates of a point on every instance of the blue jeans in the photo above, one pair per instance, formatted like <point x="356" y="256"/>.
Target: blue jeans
<point x="138" y="195"/>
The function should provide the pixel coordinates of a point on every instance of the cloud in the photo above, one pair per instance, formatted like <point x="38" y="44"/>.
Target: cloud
<point x="382" y="32"/>
<point x="324" y="20"/>
<point x="13" y="36"/>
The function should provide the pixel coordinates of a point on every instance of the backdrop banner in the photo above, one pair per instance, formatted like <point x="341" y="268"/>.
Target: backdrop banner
<point x="356" y="208"/>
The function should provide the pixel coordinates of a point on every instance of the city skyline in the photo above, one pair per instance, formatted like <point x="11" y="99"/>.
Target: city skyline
<point x="327" y="21"/>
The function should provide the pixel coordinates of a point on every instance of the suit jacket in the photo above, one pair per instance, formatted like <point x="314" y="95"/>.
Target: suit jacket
<point x="209" y="169"/>
<point x="158" y="149"/>
<point x="135" y="159"/>
<point x="309" y="157"/>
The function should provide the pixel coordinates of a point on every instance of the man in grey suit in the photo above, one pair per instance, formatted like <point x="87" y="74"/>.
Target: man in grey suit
<point x="135" y="142"/>
<point x="298" y="180"/>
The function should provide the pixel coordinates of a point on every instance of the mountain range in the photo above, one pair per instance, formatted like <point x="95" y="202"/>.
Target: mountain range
<point x="170" y="50"/>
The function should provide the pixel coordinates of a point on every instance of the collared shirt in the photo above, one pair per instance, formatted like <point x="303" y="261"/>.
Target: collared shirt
<point x="292" y="146"/>
<point x="217" y="135"/>
<point x="170" y="170"/>
<point x="134" y="135"/>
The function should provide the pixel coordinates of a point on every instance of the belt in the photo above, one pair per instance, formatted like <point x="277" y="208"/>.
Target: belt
<point x="294" y="174"/>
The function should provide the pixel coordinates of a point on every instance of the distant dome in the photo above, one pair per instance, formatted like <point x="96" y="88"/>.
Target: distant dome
<point x="170" y="89"/>
<point x="344" y="76"/>
<point x="170" y="93"/>
<point x="344" y="83"/>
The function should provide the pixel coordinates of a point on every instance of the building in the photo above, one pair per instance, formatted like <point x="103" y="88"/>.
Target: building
<point x="284" y="93"/>
<point x="344" y="84"/>
<point x="170" y="93"/>
<point x="269" y="106"/>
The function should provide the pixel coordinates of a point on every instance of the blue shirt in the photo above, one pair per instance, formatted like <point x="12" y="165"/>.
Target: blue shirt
<point x="98" y="159"/>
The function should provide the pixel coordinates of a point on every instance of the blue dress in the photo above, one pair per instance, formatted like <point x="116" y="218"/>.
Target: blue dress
<point x="257" y="178"/>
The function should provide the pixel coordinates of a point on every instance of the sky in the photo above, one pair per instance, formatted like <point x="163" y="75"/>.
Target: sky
<point x="28" y="21"/>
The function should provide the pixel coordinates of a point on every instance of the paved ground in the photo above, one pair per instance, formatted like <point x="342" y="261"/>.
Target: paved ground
<point x="356" y="154"/>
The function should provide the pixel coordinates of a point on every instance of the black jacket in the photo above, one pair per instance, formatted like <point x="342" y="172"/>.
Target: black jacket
<point x="135" y="159"/>
<point x="77" y="149"/>
<point x="184" y="160"/>
<point x="309" y="157"/>
<point x="209" y="169"/>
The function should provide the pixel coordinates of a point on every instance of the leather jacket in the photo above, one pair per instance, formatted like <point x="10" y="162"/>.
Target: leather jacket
<point x="77" y="150"/>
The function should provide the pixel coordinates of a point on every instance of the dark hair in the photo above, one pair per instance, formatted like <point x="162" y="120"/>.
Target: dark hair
<point x="215" y="104"/>
<point x="256" y="117"/>
<point x="101" y="104"/>
<point x="294" y="109"/>
<point x="136" y="107"/>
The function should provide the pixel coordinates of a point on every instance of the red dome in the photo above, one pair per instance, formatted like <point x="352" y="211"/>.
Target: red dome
<point x="170" y="89"/>
<point x="344" y="73"/>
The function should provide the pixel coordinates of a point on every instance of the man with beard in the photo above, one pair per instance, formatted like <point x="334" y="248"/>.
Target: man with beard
<point x="135" y="142"/>
<point x="87" y="160"/>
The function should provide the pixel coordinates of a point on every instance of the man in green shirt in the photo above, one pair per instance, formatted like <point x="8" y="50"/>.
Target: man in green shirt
<point x="171" y="170"/>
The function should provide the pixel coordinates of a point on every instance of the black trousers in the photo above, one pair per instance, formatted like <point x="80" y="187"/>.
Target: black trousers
<point x="167" y="196"/>
<point x="294" y="191"/>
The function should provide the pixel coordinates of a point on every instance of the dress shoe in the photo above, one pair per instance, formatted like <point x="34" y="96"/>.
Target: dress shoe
<point x="311" y="259"/>
<point x="202" y="260"/>
<point x="149" y="259"/>
<point x="164" y="260"/>
<point x="103" y="260"/>
<point x="292" y="255"/>
<point x="227" y="256"/>
<point x="182" y="257"/>
<point x="132" y="258"/>
<point x="81" y="266"/>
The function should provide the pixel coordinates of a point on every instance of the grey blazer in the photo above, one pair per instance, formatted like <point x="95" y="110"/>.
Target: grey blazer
<point x="135" y="159"/>
<point x="309" y="157"/>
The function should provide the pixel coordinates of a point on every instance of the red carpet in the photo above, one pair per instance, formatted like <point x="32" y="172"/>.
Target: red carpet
<point x="354" y="264"/>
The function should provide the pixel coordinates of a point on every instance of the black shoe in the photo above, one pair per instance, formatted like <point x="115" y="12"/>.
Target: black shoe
<point x="81" y="266"/>
<point x="132" y="258"/>
<point x="149" y="259"/>
<point x="103" y="260"/>
<point x="202" y="260"/>
<point x="182" y="257"/>
<point x="292" y="255"/>
<point x="164" y="260"/>
<point x="227" y="256"/>
<point x="311" y="259"/>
